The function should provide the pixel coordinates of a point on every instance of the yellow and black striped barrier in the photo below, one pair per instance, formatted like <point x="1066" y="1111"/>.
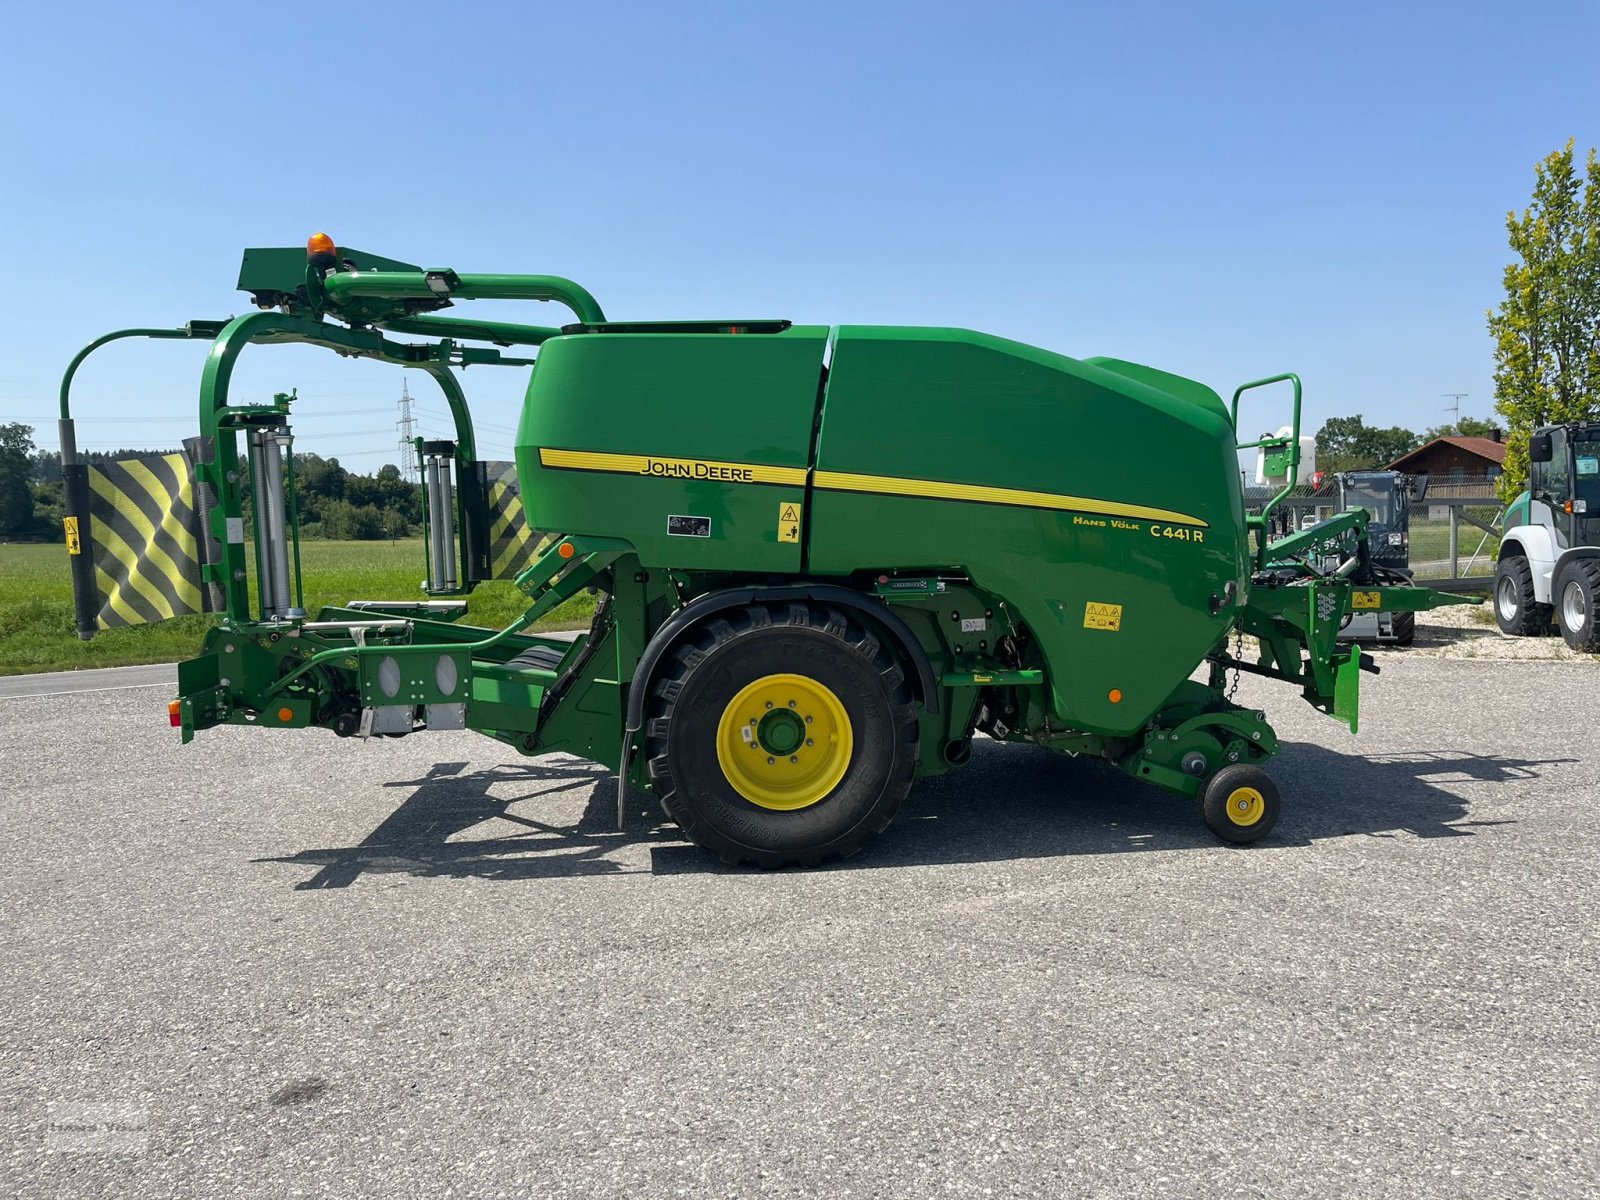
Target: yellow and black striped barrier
<point x="133" y="532"/>
<point x="511" y="542"/>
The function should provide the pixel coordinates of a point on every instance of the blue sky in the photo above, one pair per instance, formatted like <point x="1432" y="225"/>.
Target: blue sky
<point x="1221" y="190"/>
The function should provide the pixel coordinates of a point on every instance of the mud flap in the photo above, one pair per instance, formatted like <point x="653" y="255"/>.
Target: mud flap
<point x="1347" y="689"/>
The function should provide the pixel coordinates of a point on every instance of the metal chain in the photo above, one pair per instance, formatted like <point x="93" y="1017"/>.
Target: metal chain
<point x="1238" y="653"/>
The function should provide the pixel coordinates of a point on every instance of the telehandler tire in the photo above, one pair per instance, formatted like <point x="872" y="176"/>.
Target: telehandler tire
<point x="781" y="735"/>
<point x="1240" y="804"/>
<point x="1577" y="596"/>
<point x="1405" y="628"/>
<point x="1515" y="609"/>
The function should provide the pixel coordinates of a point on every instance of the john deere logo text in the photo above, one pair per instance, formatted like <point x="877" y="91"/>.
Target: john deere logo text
<point x="684" y="468"/>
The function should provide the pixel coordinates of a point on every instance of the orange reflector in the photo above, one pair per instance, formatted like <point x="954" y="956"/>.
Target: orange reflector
<point x="286" y="714"/>
<point x="566" y="549"/>
<point x="175" y="713"/>
<point x="320" y="244"/>
<point x="1114" y="695"/>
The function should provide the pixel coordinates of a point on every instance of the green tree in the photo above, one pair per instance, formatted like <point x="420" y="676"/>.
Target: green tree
<point x="1350" y="444"/>
<point x="16" y="477"/>
<point x="344" y="521"/>
<point x="1547" y="330"/>
<point x="49" y="506"/>
<point x="1465" y="427"/>
<point x="394" y="524"/>
<point x="318" y="481"/>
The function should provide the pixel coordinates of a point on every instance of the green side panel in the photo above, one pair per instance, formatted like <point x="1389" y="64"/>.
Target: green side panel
<point x="1188" y="389"/>
<point x="414" y="675"/>
<point x="506" y="704"/>
<point x="657" y="426"/>
<point x="1117" y="603"/>
<point x="283" y="268"/>
<point x="1518" y="512"/>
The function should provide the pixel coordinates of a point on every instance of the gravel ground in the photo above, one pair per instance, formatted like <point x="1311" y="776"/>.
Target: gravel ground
<point x="1469" y="631"/>
<point x="278" y="964"/>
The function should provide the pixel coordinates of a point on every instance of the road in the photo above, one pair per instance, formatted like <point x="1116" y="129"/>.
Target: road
<point x="97" y="679"/>
<point x="280" y="964"/>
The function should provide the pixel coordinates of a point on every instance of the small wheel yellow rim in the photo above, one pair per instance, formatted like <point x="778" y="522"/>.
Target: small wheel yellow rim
<point x="784" y="742"/>
<point x="1246" y="806"/>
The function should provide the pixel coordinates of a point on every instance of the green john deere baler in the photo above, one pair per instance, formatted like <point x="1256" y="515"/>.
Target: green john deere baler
<point x="826" y="558"/>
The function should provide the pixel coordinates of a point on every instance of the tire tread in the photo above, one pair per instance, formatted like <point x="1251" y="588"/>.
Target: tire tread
<point x="727" y="628"/>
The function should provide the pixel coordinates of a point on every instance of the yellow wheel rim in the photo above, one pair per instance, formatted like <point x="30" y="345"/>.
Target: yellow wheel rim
<point x="1246" y="806"/>
<point x="784" y="742"/>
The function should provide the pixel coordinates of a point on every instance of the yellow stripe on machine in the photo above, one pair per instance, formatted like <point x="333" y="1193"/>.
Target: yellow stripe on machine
<point x="932" y="489"/>
<point x="659" y="467"/>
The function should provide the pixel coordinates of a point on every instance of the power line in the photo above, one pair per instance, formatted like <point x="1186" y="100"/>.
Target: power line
<point x="407" y="425"/>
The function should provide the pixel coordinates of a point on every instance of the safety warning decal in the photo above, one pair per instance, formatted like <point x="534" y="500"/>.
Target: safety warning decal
<point x="1366" y="600"/>
<point x="70" y="524"/>
<point x="686" y="526"/>
<point x="789" y="522"/>
<point x="1102" y="616"/>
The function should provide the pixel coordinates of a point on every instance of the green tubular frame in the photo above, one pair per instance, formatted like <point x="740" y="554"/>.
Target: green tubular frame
<point x="1259" y="521"/>
<point x="220" y="423"/>
<point x="370" y="306"/>
<point x="341" y="288"/>
<point x="222" y="470"/>
<point x="548" y="581"/>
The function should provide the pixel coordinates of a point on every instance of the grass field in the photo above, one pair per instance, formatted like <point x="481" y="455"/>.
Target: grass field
<point x="36" y="631"/>
<point x="1430" y="543"/>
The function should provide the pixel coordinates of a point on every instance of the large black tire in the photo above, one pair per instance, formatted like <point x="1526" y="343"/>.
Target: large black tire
<point x="693" y="711"/>
<point x="1577" y="597"/>
<point x="1405" y="628"/>
<point x="1240" y="804"/>
<point x="1515" y="609"/>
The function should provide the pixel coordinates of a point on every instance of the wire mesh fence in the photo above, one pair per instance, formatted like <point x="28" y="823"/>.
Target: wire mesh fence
<point x="1454" y="528"/>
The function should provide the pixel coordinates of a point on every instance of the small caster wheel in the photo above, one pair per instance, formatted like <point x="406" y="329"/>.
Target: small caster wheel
<point x="1240" y="804"/>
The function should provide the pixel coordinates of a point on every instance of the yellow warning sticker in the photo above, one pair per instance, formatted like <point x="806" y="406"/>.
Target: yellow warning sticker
<point x="1366" y="600"/>
<point x="789" y="522"/>
<point x="1102" y="616"/>
<point x="70" y="524"/>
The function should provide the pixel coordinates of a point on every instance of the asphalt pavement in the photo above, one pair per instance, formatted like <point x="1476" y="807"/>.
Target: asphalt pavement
<point x="96" y="679"/>
<point x="276" y="964"/>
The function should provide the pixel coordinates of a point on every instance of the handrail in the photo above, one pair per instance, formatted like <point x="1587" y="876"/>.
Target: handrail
<point x="194" y="329"/>
<point x="1258" y="521"/>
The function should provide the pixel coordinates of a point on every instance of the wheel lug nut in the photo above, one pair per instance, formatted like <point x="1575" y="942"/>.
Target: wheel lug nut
<point x="771" y="760"/>
<point x="808" y="720"/>
<point x="793" y="758"/>
<point x="769" y="703"/>
<point x="809" y="742"/>
<point x="792" y="704"/>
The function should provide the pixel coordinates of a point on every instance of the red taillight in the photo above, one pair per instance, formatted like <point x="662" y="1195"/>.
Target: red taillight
<point x="175" y="713"/>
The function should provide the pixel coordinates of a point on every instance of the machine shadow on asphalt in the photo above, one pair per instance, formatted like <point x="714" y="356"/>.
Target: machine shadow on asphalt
<point x="1014" y="802"/>
<point x="416" y="838"/>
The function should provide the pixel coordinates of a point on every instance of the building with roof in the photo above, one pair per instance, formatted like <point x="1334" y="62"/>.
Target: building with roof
<point x="1456" y="467"/>
<point x="1456" y="461"/>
